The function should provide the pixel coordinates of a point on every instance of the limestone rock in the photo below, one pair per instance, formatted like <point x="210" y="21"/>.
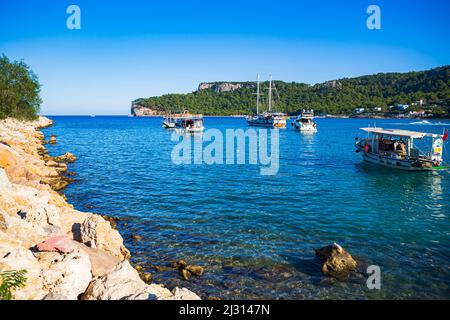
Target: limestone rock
<point x="184" y="294"/>
<point x="65" y="274"/>
<point x="66" y="157"/>
<point x="55" y="296"/>
<point x="89" y="231"/>
<point x="60" y="244"/>
<point x="51" y="163"/>
<point x="123" y="283"/>
<point x="4" y="180"/>
<point x="22" y="259"/>
<point x="101" y="262"/>
<point x="336" y="262"/>
<point x="41" y="212"/>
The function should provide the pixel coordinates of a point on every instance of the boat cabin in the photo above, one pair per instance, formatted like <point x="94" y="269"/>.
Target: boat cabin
<point x="395" y="147"/>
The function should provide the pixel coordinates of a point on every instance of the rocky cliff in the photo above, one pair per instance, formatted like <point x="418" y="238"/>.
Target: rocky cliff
<point x="141" y="111"/>
<point x="224" y="86"/>
<point x="66" y="253"/>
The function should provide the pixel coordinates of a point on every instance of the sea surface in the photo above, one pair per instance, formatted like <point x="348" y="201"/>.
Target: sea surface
<point x="255" y="235"/>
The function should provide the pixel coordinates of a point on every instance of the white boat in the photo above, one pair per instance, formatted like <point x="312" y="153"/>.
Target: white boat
<point x="268" y="118"/>
<point x="396" y="149"/>
<point x="305" y="121"/>
<point x="186" y="121"/>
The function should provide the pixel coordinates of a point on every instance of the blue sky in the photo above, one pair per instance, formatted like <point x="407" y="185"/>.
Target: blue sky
<point x="130" y="49"/>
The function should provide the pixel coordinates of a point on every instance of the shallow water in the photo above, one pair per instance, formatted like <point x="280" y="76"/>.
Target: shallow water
<point x="255" y="235"/>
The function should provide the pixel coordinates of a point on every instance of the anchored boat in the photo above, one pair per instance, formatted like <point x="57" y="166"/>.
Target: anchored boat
<point x="397" y="149"/>
<point x="186" y="121"/>
<point x="305" y="121"/>
<point x="268" y="118"/>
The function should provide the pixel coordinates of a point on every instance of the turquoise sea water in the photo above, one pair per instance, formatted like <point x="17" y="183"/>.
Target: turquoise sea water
<point x="255" y="235"/>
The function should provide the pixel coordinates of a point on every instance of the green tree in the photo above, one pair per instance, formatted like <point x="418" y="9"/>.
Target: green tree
<point x="19" y="90"/>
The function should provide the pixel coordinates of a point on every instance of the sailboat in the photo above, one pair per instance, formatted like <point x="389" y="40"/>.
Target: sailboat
<point x="268" y="118"/>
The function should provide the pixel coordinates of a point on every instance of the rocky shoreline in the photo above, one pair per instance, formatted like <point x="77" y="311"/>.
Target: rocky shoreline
<point x="66" y="253"/>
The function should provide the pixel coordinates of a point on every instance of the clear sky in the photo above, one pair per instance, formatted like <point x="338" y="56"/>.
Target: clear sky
<point x="130" y="49"/>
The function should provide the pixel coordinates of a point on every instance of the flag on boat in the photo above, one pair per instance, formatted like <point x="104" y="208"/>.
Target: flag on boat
<point x="445" y="136"/>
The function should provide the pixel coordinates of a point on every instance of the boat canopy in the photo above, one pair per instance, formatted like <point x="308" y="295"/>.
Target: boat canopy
<point x="399" y="133"/>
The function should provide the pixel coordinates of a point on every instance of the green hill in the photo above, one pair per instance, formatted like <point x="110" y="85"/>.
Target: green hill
<point x="340" y="96"/>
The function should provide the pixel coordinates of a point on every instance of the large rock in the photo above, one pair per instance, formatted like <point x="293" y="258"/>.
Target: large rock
<point x="65" y="274"/>
<point x="101" y="262"/>
<point x="4" y="180"/>
<point x="18" y="233"/>
<point x="52" y="139"/>
<point x="66" y="157"/>
<point x="39" y="211"/>
<point x="93" y="229"/>
<point x="184" y="294"/>
<point x="124" y="283"/>
<point x="88" y="231"/>
<point x="60" y="244"/>
<point x="336" y="262"/>
<point x="22" y="259"/>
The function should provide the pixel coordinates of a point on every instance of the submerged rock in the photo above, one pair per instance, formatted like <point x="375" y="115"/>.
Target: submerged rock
<point x="147" y="277"/>
<point x="136" y="237"/>
<point x="179" y="264"/>
<point x="195" y="270"/>
<point x="52" y="139"/>
<point x="185" y="274"/>
<point x="187" y="270"/>
<point x="336" y="262"/>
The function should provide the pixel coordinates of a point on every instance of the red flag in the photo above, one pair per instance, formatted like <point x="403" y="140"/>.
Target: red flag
<point x="445" y="136"/>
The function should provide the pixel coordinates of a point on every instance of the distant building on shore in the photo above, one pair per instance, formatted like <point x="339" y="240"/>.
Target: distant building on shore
<point x="399" y="107"/>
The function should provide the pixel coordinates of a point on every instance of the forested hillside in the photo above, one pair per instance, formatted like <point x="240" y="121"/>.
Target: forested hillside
<point x="340" y="96"/>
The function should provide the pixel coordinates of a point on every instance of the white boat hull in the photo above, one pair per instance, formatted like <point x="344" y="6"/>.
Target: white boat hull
<point x="386" y="161"/>
<point x="169" y="125"/>
<point x="305" y="128"/>
<point x="193" y="130"/>
<point x="269" y="123"/>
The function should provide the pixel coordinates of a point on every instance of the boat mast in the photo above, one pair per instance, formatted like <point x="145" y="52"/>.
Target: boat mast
<point x="257" y="94"/>
<point x="270" y="92"/>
